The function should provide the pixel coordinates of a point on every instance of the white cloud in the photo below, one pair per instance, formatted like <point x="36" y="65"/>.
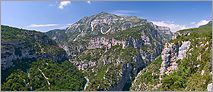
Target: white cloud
<point x="63" y="4"/>
<point x="202" y="22"/>
<point x="89" y="2"/>
<point x="69" y="24"/>
<point x="173" y="27"/>
<point x="42" y="25"/>
<point x="46" y="27"/>
<point x="123" y="12"/>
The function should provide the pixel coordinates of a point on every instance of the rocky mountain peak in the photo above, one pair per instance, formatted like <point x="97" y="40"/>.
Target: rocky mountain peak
<point x="104" y="23"/>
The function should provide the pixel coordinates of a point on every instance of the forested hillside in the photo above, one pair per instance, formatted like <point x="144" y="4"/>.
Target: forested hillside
<point x="184" y="67"/>
<point x="24" y="64"/>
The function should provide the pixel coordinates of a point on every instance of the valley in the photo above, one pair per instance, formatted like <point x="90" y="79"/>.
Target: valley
<point x="107" y="52"/>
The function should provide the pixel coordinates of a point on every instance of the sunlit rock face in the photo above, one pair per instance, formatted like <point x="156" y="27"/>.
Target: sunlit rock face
<point x="102" y="42"/>
<point x="209" y="87"/>
<point x="104" y="23"/>
<point x="183" y="49"/>
<point x="121" y="45"/>
<point x="170" y="54"/>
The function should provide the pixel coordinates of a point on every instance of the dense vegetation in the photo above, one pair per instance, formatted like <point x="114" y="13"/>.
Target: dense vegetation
<point x="105" y="73"/>
<point x="38" y="41"/>
<point x="136" y="33"/>
<point x="194" y="71"/>
<point x="148" y="77"/>
<point x="90" y="55"/>
<point x="29" y="46"/>
<point x="189" y="75"/>
<point x="46" y="75"/>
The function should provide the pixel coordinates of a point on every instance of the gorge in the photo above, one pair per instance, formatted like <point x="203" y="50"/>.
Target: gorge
<point x="107" y="52"/>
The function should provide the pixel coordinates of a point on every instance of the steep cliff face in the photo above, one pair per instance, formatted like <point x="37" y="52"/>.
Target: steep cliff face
<point x="20" y="47"/>
<point x="170" y="54"/>
<point x="112" y="49"/>
<point x="77" y="36"/>
<point x="184" y="64"/>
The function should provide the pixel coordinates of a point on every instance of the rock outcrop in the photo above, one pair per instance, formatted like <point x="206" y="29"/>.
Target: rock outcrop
<point x="102" y="42"/>
<point x="170" y="54"/>
<point x="209" y="87"/>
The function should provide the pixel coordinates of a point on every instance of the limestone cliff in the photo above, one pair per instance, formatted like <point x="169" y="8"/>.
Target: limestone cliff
<point x="184" y="64"/>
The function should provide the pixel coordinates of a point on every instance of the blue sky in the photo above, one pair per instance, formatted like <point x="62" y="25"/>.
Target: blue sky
<point x="47" y="15"/>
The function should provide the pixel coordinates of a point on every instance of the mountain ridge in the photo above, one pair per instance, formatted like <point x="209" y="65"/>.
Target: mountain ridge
<point x="136" y="41"/>
<point x="107" y="52"/>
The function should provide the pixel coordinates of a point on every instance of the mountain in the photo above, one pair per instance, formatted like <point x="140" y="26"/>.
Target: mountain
<point x="20" y="44"/>
<point x="102" y="24"/>
<point x="110" y="49"/>
<point x="19" y="47"/>
<point x="107" y="52"/>
<point x="22" y="54"/>
<point x="184" y="63"/>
